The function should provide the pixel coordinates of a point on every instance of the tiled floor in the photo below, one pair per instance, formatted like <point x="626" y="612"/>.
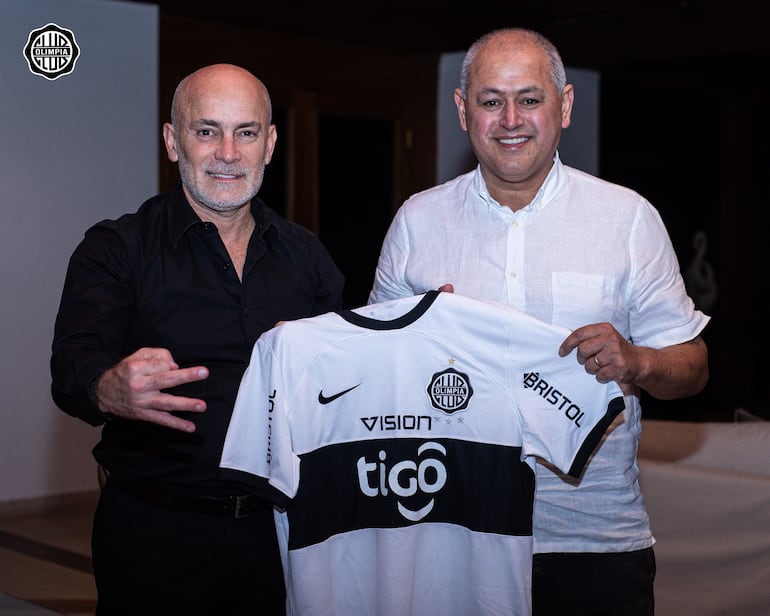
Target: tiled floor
<point x="45" y="558"/>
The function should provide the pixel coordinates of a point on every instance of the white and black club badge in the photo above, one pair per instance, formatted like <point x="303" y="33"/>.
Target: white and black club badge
<point x="450" y="390"/>
<point x="51" y="51"/>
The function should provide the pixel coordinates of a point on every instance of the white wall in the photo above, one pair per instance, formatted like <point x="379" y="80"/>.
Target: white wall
<point x="75" y="150"/>
<point x="579" y="145"/>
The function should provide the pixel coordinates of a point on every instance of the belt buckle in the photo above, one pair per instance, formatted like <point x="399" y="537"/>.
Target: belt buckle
<point x="239" y="501"/>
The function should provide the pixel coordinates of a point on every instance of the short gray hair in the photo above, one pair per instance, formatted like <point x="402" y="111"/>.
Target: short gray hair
<point x="558" y="74"/>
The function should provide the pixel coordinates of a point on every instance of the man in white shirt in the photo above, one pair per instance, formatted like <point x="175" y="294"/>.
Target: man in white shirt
<point x="574" y="251"/>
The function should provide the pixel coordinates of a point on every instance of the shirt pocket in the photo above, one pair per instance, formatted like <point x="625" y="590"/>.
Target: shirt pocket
<point x="581" y="299"/>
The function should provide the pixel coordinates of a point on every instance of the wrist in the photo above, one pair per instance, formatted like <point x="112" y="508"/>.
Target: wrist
<point x="93" y="397"/>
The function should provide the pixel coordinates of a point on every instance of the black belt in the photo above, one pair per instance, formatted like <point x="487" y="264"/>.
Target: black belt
<point x="236" y="505"/>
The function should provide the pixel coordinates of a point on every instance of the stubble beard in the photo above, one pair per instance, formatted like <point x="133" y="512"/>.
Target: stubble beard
<point x="226" y="199"/>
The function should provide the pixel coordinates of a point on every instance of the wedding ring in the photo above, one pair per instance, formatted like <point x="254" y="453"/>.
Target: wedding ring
<point x="596" y="361"/>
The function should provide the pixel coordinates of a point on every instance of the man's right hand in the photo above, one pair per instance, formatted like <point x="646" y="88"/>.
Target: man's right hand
<point x="133" y="389"/>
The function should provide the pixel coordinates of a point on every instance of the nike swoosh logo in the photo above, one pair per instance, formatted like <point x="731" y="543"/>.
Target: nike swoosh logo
<point x="326" y="399"/>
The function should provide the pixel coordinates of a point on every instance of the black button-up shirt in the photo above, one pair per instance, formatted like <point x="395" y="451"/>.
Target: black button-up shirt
<point x="162" y="278"/>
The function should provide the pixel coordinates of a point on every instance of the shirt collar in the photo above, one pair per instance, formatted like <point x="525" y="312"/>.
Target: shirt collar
<point x="181" y="216"/>
<point x="545" y="194"/>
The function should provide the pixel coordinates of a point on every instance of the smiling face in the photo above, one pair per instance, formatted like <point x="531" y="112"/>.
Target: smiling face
<point x="514" y="115"/>
<point x="221" y="136"/>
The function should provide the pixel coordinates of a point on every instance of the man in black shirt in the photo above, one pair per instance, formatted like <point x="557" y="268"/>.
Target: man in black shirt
<point x="159" y="313"/>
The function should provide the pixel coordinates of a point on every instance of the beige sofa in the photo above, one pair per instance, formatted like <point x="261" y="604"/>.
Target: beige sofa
<point x="707" y="490"/>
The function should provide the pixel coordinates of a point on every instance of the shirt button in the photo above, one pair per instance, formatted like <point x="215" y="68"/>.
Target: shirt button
<point x="513" y="274"/>
<point x="515" y="224"/>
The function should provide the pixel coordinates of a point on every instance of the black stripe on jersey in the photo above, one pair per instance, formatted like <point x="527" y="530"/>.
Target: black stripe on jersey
<point x="392" y="483"/>
<point x="399" y="323"/>
<point x="614" y="408"/>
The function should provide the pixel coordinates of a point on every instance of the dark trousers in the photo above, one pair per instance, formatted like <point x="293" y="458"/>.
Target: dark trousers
<point x="606" y="584"/>
<point x="151" y="559"/>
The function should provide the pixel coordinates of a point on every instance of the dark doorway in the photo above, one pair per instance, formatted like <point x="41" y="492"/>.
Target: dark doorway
<point x="274" y="185"/>
<point x="356" y="188"/>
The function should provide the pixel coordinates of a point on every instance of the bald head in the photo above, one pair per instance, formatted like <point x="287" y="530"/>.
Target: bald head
<point x="221" y="78"/>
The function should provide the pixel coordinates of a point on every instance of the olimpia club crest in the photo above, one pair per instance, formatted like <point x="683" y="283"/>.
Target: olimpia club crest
<point x="51" y="51"/>
<point x="450" y="390"/>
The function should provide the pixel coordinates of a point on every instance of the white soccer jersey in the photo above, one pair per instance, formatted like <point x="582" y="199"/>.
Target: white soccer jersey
<point x="400" y="437"/>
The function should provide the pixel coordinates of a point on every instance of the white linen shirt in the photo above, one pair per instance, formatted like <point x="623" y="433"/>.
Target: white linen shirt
<point x="583" y="251"/>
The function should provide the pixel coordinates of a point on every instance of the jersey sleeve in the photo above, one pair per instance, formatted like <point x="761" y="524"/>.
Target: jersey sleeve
<point x="257" y="452"/>
<point x="565" y="412"/>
